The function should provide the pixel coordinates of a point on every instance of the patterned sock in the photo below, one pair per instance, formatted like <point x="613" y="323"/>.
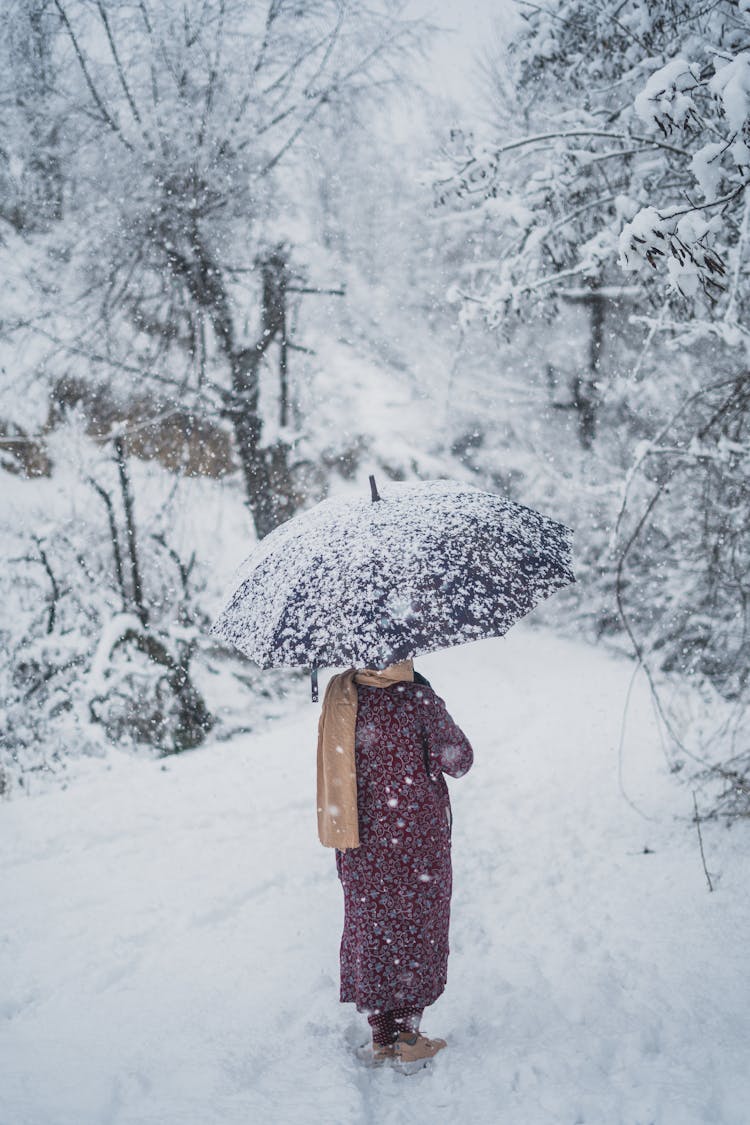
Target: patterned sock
<point x="407" y="1019"/>
<point x="383" y="1028"/>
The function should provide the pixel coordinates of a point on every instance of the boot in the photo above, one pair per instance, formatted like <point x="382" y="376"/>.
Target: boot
<point x="412" y="1049"/>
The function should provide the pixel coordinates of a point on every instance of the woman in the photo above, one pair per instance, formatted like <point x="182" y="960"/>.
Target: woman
<point x="385" y="740"/>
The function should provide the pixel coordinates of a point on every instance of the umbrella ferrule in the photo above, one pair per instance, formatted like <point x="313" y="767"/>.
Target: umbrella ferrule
<point x="374" y="489"/>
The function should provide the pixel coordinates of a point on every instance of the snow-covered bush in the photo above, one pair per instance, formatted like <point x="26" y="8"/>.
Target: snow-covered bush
<point x="101" y="627"/>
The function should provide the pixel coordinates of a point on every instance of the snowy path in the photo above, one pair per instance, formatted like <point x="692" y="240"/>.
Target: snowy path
<point x="169" y="936"/>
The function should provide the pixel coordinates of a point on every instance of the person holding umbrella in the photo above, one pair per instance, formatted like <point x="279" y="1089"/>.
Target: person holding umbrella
<point x="385" y="740"/>
<point x="371" y="585"/>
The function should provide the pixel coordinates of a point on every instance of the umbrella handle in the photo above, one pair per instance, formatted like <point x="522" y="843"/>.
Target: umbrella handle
<point x="314" y="683"/>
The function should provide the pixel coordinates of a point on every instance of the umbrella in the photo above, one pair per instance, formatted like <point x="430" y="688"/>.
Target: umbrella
<point x="368" y="582"/>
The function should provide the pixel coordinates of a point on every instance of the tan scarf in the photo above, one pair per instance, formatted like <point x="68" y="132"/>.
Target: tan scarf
<point x="338" y="822"/>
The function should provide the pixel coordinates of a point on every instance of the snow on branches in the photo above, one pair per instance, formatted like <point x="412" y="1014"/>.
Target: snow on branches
<point x="615" y="176"/>
<point x="680" y="98"/>
<point x="625" y="147"/>
<point x="666" y="97"/>
<point x="682" y="240"/>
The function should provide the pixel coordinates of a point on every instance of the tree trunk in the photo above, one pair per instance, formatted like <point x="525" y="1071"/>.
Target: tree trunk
<point x="265" y="472"/>
<point x="584" y="389"/>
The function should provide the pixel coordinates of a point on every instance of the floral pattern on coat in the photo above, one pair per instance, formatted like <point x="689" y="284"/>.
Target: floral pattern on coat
<point x="397" y="883"/>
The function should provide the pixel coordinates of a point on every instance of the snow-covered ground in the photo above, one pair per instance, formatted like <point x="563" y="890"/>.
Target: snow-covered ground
<point x="169" y="930"/>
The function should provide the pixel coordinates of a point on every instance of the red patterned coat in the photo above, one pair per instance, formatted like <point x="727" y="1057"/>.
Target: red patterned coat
<point x="397" y="883"/>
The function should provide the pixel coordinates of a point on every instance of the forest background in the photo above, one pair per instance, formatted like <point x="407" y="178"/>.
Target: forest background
<point x="253" y="253"/>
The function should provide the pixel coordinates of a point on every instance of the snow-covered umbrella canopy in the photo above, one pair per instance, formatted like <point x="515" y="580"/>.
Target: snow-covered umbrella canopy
<point x="367" y="582"/>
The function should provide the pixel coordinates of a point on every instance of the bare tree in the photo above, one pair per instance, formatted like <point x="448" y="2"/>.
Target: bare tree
<point x="185" y="124"/>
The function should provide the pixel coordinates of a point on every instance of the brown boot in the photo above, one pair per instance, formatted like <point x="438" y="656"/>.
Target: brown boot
<point x="412" y="1049"/>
